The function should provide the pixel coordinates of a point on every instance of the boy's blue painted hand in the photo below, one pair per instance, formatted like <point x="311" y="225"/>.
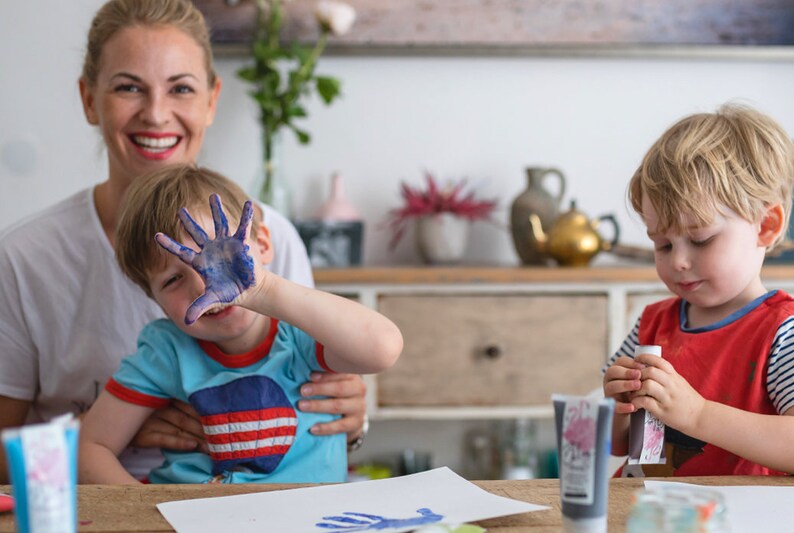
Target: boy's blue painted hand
<point x="225" y="262"/>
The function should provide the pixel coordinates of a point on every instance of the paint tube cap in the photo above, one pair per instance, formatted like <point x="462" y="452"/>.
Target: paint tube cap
<point x="652" y="349"/>
<point x="584" y="525"/>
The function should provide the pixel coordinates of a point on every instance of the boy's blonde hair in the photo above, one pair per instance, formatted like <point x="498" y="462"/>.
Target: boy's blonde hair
<point x="151" y="205"/>
<point x="737" y="157"/>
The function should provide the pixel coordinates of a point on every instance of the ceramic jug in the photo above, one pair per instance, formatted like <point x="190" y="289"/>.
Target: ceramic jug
<point x="573" y="240"/>
<point x="535" y="200"/>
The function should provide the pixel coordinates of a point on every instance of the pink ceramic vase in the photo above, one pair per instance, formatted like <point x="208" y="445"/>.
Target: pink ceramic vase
<point x="337" y="207"/>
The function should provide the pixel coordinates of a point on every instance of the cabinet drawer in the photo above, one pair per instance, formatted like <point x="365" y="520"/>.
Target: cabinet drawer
<point x="487" y="350"/>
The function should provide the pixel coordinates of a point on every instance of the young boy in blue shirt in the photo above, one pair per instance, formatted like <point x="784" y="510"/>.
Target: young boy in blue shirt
<point x="238" y="343"/>
<point x="715" y="193"/>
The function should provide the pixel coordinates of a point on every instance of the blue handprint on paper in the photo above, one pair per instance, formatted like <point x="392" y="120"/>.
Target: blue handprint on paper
<point x="224" y="262"/>
<point x="366" y="522"/>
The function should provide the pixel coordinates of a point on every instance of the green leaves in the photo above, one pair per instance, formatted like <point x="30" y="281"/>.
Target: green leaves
<point x="283" y="73"/>
<point x="328" y="88"/>
<point x="303" y="137"/>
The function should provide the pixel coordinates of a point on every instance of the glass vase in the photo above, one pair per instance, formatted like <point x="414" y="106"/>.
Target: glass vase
<point x="271" y="186"/>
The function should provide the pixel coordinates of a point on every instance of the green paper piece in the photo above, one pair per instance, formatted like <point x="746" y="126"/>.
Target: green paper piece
<point x="450" y="528"/>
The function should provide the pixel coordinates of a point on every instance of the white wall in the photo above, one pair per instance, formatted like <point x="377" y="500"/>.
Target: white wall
<point x="484" y="118"/>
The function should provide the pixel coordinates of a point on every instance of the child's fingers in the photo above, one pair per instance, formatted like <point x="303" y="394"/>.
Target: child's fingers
<point x="192" y="227"/>
<point x="657" y="375"/>
<point x="651" y="390"/>
<point x="650" y="360"/>
<point x="245" y="221"/>
<point x="624" y="408"/>
<point x="219" y="217"/>
<point x="626" y="362"/>
<point x="616" y="373"/>
<point x="618" y="387"/>
<point x="647" y="402"/>
<point x="170" y="245"/>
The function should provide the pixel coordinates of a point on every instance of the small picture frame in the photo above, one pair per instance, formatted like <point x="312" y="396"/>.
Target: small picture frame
<point x="332" y="244"/>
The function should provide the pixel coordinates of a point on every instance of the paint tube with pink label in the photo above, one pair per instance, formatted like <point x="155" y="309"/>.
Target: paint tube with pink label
<point x="646" y="432"/>
<point x="42" y="464"/>
<point x="584" y="440"/>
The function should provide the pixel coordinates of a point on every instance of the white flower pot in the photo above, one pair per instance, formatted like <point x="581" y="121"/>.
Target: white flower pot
<point x="442" y="238"/>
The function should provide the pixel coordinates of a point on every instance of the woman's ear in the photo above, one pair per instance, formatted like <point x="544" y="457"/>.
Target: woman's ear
<point x="264" y="245"/>
<point x="771" y="225"/>
<point x="89" y="108"/>
<point x="213" y="103"/>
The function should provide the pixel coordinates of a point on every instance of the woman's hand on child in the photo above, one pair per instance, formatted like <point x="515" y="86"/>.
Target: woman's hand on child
<point x="175" y="427"/>
<point x="344" y="395"/>
<point x="621" y="381"/>
<point x="667" y="395"/>
<point x="225" y="262"/>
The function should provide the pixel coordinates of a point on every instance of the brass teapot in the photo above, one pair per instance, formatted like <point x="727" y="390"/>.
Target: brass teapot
<point x="573" y="239"/>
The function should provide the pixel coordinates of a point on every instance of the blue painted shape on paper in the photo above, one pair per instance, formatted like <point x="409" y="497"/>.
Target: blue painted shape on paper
<point x="349" y="521"/>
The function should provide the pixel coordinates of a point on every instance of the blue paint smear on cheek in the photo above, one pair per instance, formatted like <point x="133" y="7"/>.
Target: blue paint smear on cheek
<point x="350" y="521"/>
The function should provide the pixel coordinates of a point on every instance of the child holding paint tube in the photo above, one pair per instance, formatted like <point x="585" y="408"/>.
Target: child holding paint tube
<point x="238" y="344"/>
<point x="715" y="193"/>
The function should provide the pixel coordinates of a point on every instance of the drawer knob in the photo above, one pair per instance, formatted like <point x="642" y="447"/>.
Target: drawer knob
<point x="493" y="351"/>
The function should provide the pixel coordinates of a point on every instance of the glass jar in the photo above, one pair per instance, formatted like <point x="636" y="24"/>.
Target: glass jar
<point x="677" y="510"/>
<point x="519" y="458"/>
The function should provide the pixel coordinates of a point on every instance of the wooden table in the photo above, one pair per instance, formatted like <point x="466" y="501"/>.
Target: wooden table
<point x="113" y="508"/>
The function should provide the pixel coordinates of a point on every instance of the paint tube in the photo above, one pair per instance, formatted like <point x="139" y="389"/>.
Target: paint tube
<point x="584" y="435"/>
<point x="646" y="432"/>
<point x="42" y="464"/>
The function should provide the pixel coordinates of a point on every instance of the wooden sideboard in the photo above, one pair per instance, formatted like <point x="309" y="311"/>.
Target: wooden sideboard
<point x="495" y="342"/>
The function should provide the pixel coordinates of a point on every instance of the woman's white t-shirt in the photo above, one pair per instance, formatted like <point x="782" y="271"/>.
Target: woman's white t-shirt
<point x="68" y="315"/>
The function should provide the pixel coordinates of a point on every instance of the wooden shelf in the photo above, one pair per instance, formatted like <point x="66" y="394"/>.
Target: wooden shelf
<point x="494" y="274"/>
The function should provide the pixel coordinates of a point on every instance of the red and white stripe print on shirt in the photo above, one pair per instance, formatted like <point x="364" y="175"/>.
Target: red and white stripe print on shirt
<point x="249" y="422"/>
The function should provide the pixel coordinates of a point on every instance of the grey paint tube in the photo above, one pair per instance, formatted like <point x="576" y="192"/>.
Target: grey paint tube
<point x="584" y="435"/>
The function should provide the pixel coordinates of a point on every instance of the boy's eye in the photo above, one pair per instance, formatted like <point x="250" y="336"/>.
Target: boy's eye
<point x="170" y="281"/>
<point x="663" y="247"/>
<point x="702" y="242"/>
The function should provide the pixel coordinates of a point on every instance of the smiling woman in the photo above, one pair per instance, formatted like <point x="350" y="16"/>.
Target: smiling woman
<point x="67" y="313"/>
<point x="151" y="106"/>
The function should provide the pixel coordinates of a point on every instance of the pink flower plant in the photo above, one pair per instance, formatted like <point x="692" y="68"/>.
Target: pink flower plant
<point x="434" y="200"/>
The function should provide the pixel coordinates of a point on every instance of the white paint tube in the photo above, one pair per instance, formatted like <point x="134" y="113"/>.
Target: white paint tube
<point x="646" y="432"/>
<point x="584" y="440"/>
<point x="42" y="463"/>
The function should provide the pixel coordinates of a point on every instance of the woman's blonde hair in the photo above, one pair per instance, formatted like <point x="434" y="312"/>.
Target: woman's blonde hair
<point x="737" y="157"/>
<point x="117" y="15"/>
<point x="151" y="205"/>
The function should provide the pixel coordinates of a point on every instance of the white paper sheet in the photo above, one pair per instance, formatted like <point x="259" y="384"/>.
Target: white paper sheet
<point x="750" y="508"/>
<point x="391" y="505"/>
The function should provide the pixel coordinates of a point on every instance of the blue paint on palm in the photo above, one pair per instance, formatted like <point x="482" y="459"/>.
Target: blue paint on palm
<point x="225" y="262"/>
<point x="366" y="522"/>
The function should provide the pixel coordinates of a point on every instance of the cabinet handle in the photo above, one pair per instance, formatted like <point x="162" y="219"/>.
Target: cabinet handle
<point x="493" y="351"/>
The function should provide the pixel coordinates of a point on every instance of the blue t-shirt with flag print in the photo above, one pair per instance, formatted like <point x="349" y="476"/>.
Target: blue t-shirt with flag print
<point x="246" y="403"/>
